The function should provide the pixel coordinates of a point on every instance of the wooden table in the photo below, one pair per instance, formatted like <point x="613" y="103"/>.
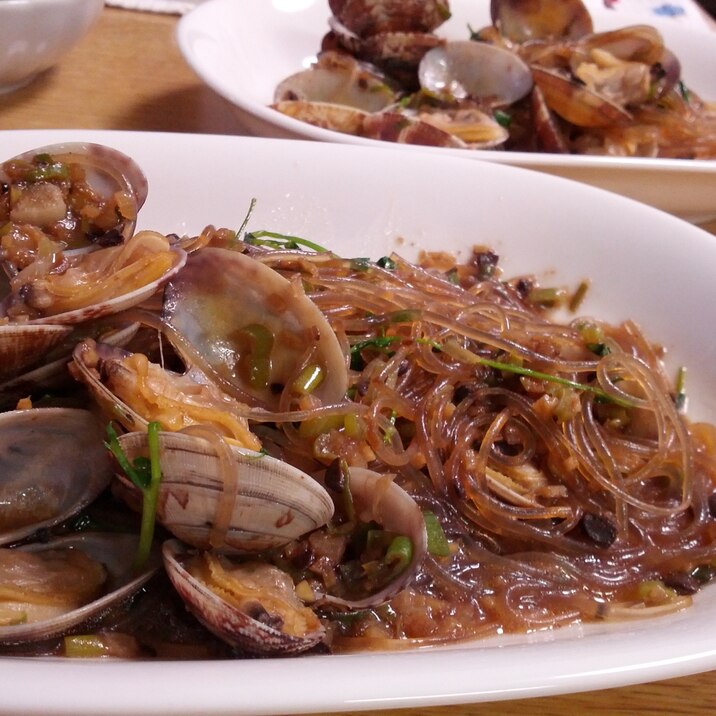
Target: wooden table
<point x="128" y="74"/>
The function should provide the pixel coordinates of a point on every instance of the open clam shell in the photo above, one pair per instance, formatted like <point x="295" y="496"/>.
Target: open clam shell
<point x="103" y="295"/>
<point x="477" y="70"/>
<point x="265" y="502"/>
<point x="337" y="78"/>
<point x="111" y="552"/>
<point x="252" y="617"/>
<point x="576" y="103"/>
<point x="377" y="498"/>
<point x="109" y="174"/>
<point x="52" y="464"/>
<point x="47" y="371"/>
<point x="222" y="299"/>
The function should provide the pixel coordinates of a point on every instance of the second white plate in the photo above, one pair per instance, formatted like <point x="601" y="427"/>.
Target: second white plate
<point x="243" y="48"/>
<point x="366" y="202"/>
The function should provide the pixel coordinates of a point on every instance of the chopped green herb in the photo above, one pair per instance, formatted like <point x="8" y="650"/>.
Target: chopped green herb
<point x="361" y="264"/>
<point x="309" y="379"/>
<point x="84" y="646"/>
<point x="139" y="471"/>
<point x="470" y="357"/>
<point x="546" y="297"/>
<point x="405" y="316"/>
<point x="578" y="296"/>
<point x="257" y="359"/>
<point x="438" y="544"/>
<point x="146" y="475"/>
<point x="680" y="397"/>
<point x="51" y="171"/>
<point x="242" y="228"/>
<point x="684" y="91"/>
<point x="380" y="343"/>
<point x="275" y="240"/>
<point x="386" y="262"/>
<point x="474" y="34"/>
<point x="399" y="554"/>
<point x="504" y="119"/>
<point x="600" y="349"/>
<point x="429" y="342"/>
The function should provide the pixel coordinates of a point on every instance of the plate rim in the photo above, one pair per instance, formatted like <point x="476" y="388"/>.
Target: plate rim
<point x="686" y="658"/>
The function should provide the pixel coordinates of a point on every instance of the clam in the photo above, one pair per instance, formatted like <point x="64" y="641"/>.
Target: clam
<point x="378" y="499"/>
<point x="466" y="69"/>
<point x="397" y="53"/>
<point x="131" y="389"/>
<point x="548" y="134"/>
<point x="369" y="17"/>
<point x="52" y="463"/>
<point x="68" y="288"/>
<point x="23" y="345"/>
<point x="523" y="20"/>
<point x="255" y="330"/>
<point x="42" y="364"/>
<point x="216" y="495"/>
<point x="402" y="129"/>
<point x="75" y="193"/>
<point x="326" y="115"/>
<point x="571" y="100"/>
<point x="636" y="43"/>
<point x="630" y="65"/>
<point x="48" y="589"/>
<point x="476" y="128"/>
<point x="252" y="606"/>
<point x="337" y="78"/>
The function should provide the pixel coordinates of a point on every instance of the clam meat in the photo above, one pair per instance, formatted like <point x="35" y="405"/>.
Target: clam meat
<point x="48" y="589"/>
<point x="72" y="195"/>
<point x="251" y="605"/>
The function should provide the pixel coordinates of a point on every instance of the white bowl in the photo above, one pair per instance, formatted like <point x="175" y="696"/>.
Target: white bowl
<point x="34" y="34"/>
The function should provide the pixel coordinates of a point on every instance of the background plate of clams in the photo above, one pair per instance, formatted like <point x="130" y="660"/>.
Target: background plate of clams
<point x="366" y="201"/>
<point x="244" y="49"/>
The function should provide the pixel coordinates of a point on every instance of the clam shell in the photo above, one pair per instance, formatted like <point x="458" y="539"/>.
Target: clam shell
<point x="220" y="292"/>
<point x="24" y="345"/>
<point x="52" y="464"/>
<point x="337" y="78"/>
<point x="523" y="20"/>
<point x="465" y="68"/>
<point x="377" y="498"/>
<point x="576" y="103"/>
<point x="116" y="552"/>
<point x="368" y="17"/>
<point x="107" y="170"/>
<point x="274" y="502"/>
<point x="336" y="117"/>
<point x="225" y="620"/>
<point x="118" y="303"/>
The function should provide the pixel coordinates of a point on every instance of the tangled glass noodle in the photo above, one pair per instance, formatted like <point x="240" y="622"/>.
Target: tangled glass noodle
<point x="555" y="457"/>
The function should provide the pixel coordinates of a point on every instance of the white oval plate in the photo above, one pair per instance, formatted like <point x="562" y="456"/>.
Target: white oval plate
<point x="243" y="48"/>
<point x="366" y="201"/>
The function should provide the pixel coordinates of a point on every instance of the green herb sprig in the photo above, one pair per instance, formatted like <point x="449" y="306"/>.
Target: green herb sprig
<point x="146" y="475"/>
